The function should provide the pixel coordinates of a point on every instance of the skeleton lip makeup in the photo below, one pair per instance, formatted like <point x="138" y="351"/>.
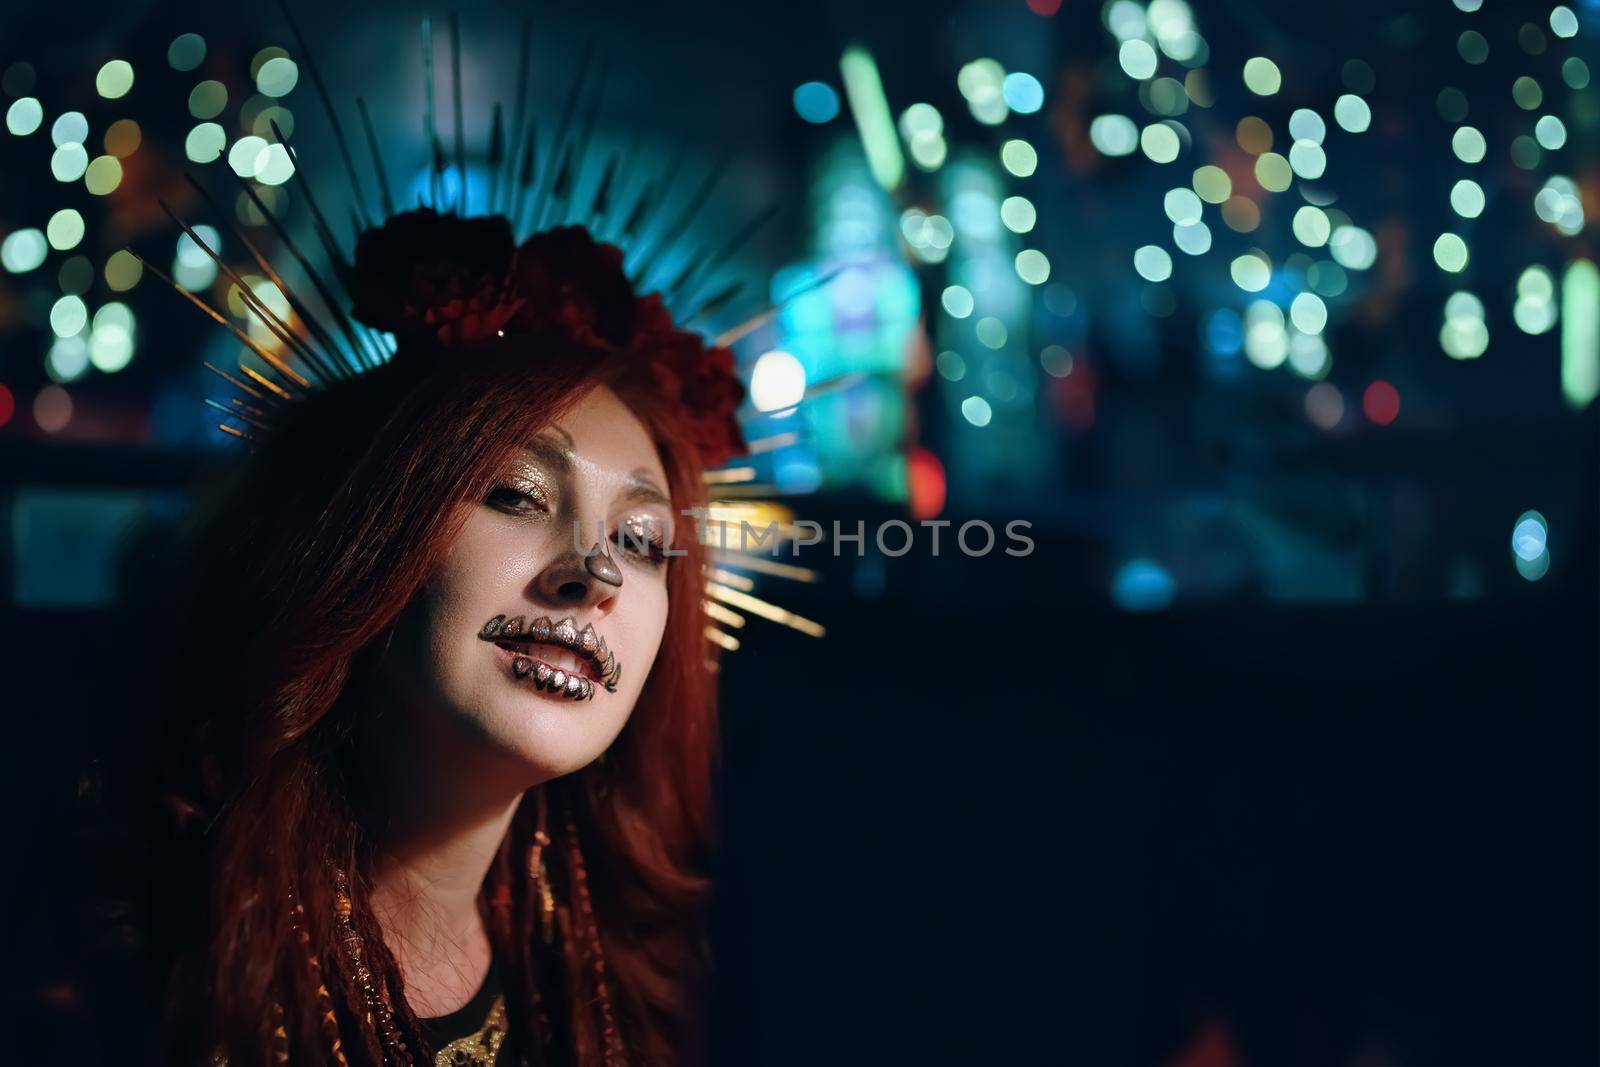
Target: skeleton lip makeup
<point x="555" y="657"/>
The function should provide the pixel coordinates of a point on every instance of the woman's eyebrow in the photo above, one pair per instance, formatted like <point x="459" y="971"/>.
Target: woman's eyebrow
<point x="558" y="432"/>
<point x="542" y="448"/>
<point x="641" y="488"/>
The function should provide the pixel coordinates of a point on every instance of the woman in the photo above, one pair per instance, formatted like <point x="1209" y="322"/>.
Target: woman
<point x="434" y="756"/>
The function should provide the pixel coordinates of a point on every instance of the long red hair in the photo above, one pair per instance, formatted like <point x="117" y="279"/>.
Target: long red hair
<point x="300" y="565"/>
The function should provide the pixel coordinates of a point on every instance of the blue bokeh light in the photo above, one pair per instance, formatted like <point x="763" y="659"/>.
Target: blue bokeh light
<point x="1142" y="585"/>
<point x="1529" y="537"/>
<point x="1022" y="92"/>
<point x="816" y="102"/>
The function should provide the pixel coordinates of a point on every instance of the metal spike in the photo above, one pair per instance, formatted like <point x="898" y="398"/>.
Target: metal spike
<point x="377" y="157"/>
<point x="763" y="565"/>
<point x="725" y="641"/>
<point x="653" y="194"/>
<point x="722" y="614"/>
<point x="671" y="289"/>
<point x="317" y="283"/>
<point x="624" y="162"/>
<point x="737" y="493"/>
<point x="341" y="269"/>
<point x="765" y="609"/>
<point x="631" y="225"/>
<point x="600" y="203"/>
<point x="519" y="128"/>
<point x="231" y="413"/>
<point x="455" y="86"/>
<point x="754" y="322"/>
<point x="738" y="581"/>
<point x="563" y="186"/>
<point x="328" y="345"/>
<point x="715" y="301"/>
<point x="728" y="476"/>
<point x="525" y="173"/>
<point x="438" y="164"/>
<point x="731" y="246"/>
<point x="575" y="163"/>
<point x="277" y="326"/>
<point x="237" y="384"/>
<point x="430" y="136"/>
<point x="327" y="104"/>
<point x="772" y="443"/>
<point x="263" y="381"/>
<point x="360" y="353"/>
<point x="547" y="180"/>
<point x="317" y="357"/>
<point x="496" y="156"/>
<point x="248" y="409"/>
<point x="787" y="532"/>
<point x="829" y="385"/>
<point x="217" y="316"/>
<point x="670" y="235"/>
<point x="341" y="320"/>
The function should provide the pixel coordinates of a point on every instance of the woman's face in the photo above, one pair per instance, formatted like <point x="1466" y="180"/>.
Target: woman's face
<point x="519" y="642"/>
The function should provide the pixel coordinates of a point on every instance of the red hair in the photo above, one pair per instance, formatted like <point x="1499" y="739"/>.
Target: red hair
<point x="300" y="566"/>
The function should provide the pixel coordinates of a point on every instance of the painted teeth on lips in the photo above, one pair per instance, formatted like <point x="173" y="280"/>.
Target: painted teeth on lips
<point x="577" y="654"/>
<point x="554" y="655"/>
<point x="552" y="679"/>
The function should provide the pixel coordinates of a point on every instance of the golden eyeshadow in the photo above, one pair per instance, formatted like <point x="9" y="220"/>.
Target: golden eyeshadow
<point x="644" y="526"/>
<point x="529" y="479"/>
<point x="644" y="518"/>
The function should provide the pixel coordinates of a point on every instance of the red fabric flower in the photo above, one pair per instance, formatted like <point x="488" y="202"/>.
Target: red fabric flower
<point x="570" y="282"/>
<point x="696" y="378"/>
<point x="440" y="276"/>
<point x="443" y="280"/>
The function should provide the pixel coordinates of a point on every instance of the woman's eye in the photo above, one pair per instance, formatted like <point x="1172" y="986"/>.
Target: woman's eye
<point x="643" y="541"/>
<point x="510" y="498"/>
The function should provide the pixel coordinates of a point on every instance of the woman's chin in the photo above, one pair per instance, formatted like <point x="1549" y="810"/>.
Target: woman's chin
<point x="544" y="765"/>
<point x="541" y="736"/>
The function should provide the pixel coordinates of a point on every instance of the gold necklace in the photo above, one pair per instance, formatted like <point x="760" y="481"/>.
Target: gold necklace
<point x="479" y="1049"/>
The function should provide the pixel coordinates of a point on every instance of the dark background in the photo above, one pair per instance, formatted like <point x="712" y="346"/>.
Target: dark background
<point x="998" y="816"/>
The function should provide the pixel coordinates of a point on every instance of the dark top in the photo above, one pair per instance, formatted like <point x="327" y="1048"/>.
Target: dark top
<point x="474" y="1033"/>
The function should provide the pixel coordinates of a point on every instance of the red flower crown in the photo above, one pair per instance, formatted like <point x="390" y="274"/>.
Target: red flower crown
<point x="447" y="280"/>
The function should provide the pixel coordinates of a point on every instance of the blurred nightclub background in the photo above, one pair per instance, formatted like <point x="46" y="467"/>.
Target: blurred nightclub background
<point x="1279" y="323"/>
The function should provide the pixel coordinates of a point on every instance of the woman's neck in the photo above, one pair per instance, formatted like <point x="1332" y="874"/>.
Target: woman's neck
<point x="425" y="897"/>
<point x="439" y="810"/>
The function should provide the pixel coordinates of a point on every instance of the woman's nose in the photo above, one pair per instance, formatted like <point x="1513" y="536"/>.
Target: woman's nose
<point x="576" y="580"/>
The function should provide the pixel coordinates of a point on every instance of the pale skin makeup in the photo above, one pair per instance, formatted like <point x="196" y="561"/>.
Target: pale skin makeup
<point x="460" y="736"/>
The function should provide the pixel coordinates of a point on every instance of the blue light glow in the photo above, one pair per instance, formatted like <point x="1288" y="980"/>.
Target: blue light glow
<point x="816" y="102"/>
<point x="1529" y="537"/>
<point x="1224" y="332"/>
<point x="1142" y="585"/>
<point x="1023" y="93"/>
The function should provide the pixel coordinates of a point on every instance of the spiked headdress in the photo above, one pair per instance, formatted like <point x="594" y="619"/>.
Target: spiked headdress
<point x="435" y="280"/>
